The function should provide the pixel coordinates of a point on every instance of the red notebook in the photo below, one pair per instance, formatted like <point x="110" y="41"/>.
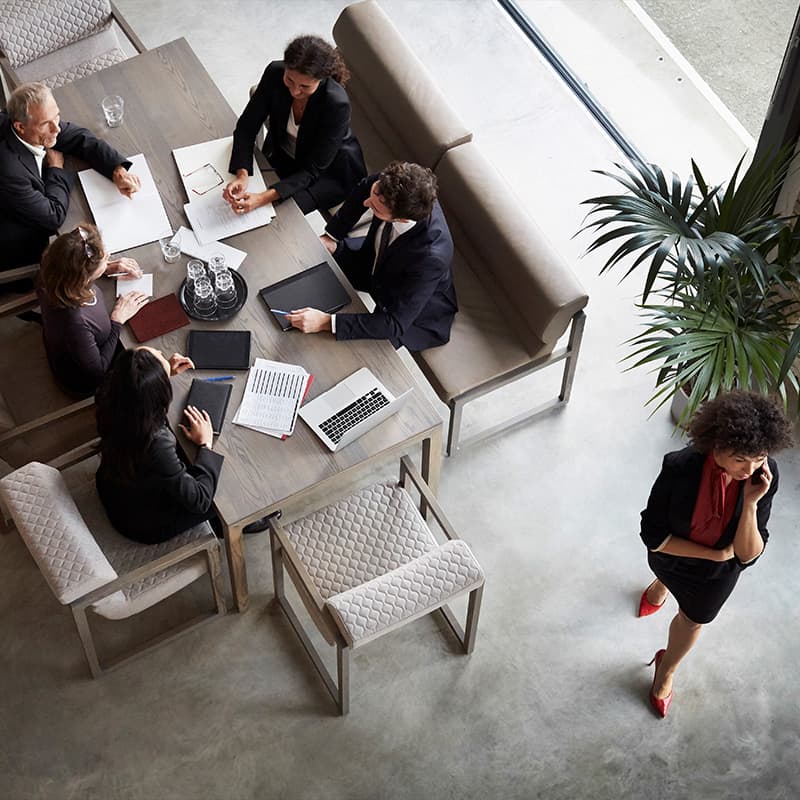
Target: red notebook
<point x="157" y="318"/>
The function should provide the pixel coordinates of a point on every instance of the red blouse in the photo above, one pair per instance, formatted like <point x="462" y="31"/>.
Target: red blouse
<point x="715" y="504"/>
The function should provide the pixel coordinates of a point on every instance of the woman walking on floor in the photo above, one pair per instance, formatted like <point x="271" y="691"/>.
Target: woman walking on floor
<point x="706" y="519"/>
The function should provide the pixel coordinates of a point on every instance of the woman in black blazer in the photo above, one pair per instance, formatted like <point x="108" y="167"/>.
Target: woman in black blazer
<point x="150" y="494"/>
<point x="309" y="144"/>
<point x="706" y="519"/>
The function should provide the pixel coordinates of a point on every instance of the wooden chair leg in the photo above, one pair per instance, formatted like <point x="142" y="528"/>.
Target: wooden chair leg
<point x="573" y="347"/>
<point x="454" y="427"/>
<point x="85" y="633"/>
<point x="215" y="576"/>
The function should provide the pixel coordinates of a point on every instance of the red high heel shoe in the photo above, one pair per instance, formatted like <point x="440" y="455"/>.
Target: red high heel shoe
<point x="660" y="704"/>
<point x="646" y="608"/>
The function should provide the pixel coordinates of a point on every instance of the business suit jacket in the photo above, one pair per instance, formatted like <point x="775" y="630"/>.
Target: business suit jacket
<point x="325" y="144"/>
<point x="673" y="497"/>
<point x="166" y="496"/>
<point x="32" y="207"/>
<point x="412" y="286"/>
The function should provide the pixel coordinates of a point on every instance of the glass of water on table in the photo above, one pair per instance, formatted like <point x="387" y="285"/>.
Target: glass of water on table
<point x="171" y="247"/>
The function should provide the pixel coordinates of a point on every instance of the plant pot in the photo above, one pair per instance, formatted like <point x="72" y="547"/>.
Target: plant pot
<point x="679" y="402"/>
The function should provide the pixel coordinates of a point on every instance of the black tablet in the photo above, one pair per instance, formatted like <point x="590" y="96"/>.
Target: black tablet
<point x="219" y="349"/>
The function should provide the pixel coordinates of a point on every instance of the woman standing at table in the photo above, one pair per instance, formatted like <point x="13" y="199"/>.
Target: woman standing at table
<point x="149" y="493"/>
<point x="80" y="337"/>
<point x="309" y="144"/>
<point x="706" y="519"/>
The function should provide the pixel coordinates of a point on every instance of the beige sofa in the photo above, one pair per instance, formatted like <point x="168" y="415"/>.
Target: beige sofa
<point x="517" y="297"/>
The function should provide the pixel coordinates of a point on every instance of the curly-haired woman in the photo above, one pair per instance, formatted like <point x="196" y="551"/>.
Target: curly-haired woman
<point x="309" y="144"/>
<point x="706" y="519"/>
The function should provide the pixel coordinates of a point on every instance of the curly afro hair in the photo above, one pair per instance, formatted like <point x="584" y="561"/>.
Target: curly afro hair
<point x="743" y="423"/>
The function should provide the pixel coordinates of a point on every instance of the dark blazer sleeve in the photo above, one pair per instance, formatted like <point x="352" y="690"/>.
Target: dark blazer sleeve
<point x="345" y="219"/>
<point x="763" y="511"/>
<point x="42" y="203"/>
<point x="256" y="113"/>
<point x="99" y="155"/>
<point x="655" y="517"/>
<point x="325" y="124"/>
<point x="423" y="273"/>
<point x="191" y="487"/>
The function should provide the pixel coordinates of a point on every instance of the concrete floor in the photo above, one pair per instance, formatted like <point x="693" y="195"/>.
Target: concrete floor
<point x="553" y="703"/>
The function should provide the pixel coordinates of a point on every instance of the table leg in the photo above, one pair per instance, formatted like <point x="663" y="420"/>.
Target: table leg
<point x="431" y="465"/>
<point x="234" y="548"/>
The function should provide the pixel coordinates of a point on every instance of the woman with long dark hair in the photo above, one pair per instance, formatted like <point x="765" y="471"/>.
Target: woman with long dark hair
<point x="80" y="336"/>
<point x="706" y="519"/>
<point x="309" y="144"/>
<point x="149" y="493"/>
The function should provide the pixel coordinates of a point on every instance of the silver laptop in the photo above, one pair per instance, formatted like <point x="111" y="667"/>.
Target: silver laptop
<point x="351" y="408"/>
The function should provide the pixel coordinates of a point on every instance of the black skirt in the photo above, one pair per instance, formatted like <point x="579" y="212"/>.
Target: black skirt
<point x="700" y="586"/>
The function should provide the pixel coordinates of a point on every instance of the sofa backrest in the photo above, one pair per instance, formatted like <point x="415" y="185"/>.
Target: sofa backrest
<point x="398" y="111"/>
<point x="506" y="248"/>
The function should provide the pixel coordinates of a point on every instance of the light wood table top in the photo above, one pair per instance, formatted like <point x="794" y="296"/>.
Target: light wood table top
<point x="170" y="102"/>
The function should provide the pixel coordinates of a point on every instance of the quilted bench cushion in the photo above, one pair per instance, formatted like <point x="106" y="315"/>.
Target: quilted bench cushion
<point x="30" y="29"/>
<point x="54" y="531"/>
<point x="410" y="591"/>
<point x="354" y="540"/>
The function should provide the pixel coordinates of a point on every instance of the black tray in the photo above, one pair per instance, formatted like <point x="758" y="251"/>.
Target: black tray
<point x="241" y="299"/>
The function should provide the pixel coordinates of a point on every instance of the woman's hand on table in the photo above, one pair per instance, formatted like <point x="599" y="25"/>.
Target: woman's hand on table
<point x="127" y="306"/>
<point x="237" y="187"/>
<point x="249" y="201"/>
<point x="127" y="266"/>
<point x="309" y="320"/>
<point x="199" y="429"/>
<point x="179" y="363"/>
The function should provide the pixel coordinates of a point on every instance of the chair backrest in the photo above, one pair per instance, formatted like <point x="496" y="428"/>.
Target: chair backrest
<point x="29" y="29"/>
<point x="54" y="531"/>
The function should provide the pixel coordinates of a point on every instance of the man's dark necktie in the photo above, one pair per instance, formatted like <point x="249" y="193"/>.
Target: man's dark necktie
<point x="384" y="243"/>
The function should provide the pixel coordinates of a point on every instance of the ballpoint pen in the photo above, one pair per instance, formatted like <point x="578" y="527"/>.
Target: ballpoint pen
<point x="278" y="311"/>
<point x="220" y="378"/>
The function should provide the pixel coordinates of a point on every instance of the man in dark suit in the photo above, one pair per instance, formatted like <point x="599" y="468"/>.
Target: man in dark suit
<point x="404" y="262"/>
<point x="34" y="186"/>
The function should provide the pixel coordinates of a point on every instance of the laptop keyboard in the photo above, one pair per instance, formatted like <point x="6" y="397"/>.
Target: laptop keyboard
<point x="362" y="407"/>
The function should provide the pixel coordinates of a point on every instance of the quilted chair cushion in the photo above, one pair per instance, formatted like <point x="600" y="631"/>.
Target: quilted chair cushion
<point x="53" y="530"/>
<point x="413" y="590"/>
<point x="356" y="539"/>
<point x="78" y="71"/>
<point x="125" y="556"/>
<point x="30" y="29"/>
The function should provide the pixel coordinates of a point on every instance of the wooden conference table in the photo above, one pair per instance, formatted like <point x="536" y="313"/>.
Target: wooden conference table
<point x="170" y="102"/>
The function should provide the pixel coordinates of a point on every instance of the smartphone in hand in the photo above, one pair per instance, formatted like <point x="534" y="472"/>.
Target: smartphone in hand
<point x="755" y="478"/>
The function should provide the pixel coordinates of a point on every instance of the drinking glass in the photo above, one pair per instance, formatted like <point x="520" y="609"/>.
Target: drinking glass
<point x="194" y="272"/>
<point x="217" y="264"/>
<point x="171" y="247"/>
<point x="225" y="290"/>
<point x="205" y="302"/>
<point x="113" y="109"/>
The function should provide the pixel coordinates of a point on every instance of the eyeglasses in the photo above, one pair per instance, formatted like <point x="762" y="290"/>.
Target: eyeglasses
<point x="204" y="179"/>
<point x="84" y="237"/>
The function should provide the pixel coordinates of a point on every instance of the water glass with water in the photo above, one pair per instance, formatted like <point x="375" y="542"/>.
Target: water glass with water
<point x="195" y="270"/>
<point x="171" y="247"/>
<point x="205" y="301"/>
<point x="225" y="290"/>
<point x="217" y="264"/>
<point x="113" y="109"/>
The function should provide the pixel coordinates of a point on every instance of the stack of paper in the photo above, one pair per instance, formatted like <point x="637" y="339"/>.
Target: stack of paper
<point x="126" y="222"/>
<point x="272" y="397"/>
<point x="204" y="171"/>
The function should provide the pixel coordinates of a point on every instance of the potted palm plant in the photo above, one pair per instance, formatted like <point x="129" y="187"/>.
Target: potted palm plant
<point x="719" y="302"/>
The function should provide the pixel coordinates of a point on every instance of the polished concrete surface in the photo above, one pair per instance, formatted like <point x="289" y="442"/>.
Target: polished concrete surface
<point x="553" y="702"/>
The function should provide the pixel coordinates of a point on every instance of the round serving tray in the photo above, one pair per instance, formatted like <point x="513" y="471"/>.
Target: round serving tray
<point x="220" y="314"/>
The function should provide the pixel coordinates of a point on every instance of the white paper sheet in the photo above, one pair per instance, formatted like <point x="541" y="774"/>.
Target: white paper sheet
<point x="192" y="248"/>
<point x="143" y="285"/>
<point x="126" y="222"/>
<point x="272" y="397"/>
<point x="211" y="217"/>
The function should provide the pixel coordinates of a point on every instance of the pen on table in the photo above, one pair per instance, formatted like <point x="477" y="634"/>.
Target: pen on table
<point x="116" y="274"/>
<point x="278" y="311"/>
<point x="221" y="378"/>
